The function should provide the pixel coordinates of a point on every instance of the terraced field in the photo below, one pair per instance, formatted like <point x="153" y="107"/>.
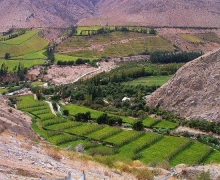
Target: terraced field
<point x="150" y="81"/>
<point x="191" y="38"/>
<point x="74" y="109"/>
<point x="122" y="144"/>
<point x="27" y="43"/>
<point x="114" y="44"/>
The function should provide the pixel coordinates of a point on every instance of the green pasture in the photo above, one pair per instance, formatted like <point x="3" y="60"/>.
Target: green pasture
<point x="165" y="124"/>
<point x="21" y="39"/>
<point x="32" y="56"/>
<point x="191" y="38"/>
<point x="150" y="81"/>
<point x="26" y="63"/>
<point x="27" y="43"/>
<point x="37" y="83"/>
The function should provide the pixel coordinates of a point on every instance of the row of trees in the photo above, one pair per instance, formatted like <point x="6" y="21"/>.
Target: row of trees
<point x="11" y="36"/>
<point x="19" y="70"/>
<point x="172" y="57"/>
<point x="108" y="29"/>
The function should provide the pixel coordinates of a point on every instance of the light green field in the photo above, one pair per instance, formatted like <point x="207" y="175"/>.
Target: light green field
<point x="35" y="55"/>
<point x="118" y="138"/>
<point x="37" y="83"/>
<point x="21" y="39"/>
<point x="27" y="43"/>
<point x="149" y="121"/>
<point x="165" y="124"/>
<point x="160" y="150"/>
<point x="191" y="38"/>
<point x="26" y="63"/>
<point x="98" y="135"/>
<point x="74" y="109"/>
<point x="126" y="151"/>
<point x="3" y="90"/>
<point x="150" y="81"/>
<point x="191" y="154"/>
<point x="83" y="129"/>
<point x="213" y="158"/>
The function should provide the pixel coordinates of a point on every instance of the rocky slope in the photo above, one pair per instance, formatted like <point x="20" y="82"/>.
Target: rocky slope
<point x="194" y="91"/>
<point x="62" y="13"/>
<point x="158" y="12"/>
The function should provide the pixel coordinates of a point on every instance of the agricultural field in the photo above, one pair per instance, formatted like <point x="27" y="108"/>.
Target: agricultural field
<point x="212" y="37"/>
<point x="27" y="43"/>
<point x="74" y="109"/>
<point x="126" y="144"/>
<point x="149" y="121"/>
<point x="37" y="83"/>
<point x="26" y="63"/>
<point x="114" y="44"/>
<point x="32" y="56"/>
<point x="159" y="151"/>
<point x="188" y="155"/>
<point x="191" y="38"/>
<point x="150" y="81"/>
<point x="163" y="124"/>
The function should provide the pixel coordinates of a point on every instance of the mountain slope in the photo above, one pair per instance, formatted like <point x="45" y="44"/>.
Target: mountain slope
<point x="193" y="91"/>
<point x="160" y="12"/>
<point x="43" y="13"/>
<point x="61" y="13"/>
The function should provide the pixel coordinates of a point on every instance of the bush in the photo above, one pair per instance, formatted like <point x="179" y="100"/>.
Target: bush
<point x="144" y="174"/>
<point x="66" y="112"/>
<point x="138" y="126"/>
<point x="204" y="176"/>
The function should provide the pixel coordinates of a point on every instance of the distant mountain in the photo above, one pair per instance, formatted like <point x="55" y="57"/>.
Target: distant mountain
<point x="62" y="13"/>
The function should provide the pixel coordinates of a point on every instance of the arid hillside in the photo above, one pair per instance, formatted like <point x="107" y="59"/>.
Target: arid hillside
<point x="193" y="91"/>
<point x="62" y="13"/>
<point x="43" y="13"/>
<point x="158" y="13"/>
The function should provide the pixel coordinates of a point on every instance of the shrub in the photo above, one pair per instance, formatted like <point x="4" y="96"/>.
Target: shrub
<point x="144" y="174"/>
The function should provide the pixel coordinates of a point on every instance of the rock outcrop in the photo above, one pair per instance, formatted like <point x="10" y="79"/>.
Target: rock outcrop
<point x="194" y="91"/>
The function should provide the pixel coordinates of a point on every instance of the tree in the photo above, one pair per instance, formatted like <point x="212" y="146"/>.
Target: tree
<point x="102" y="119"/>
<point x="7" y="55"/>
<point x="152" y="31"/>
<point x="138" y="125"/>
<point x="66" y="112"/>
<point x="73" y="31"/>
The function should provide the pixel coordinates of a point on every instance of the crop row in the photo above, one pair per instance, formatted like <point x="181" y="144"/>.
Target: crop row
<point x="181" y="148"/>
<point x="147" y="144"/>
<point x="66" y="140"/>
